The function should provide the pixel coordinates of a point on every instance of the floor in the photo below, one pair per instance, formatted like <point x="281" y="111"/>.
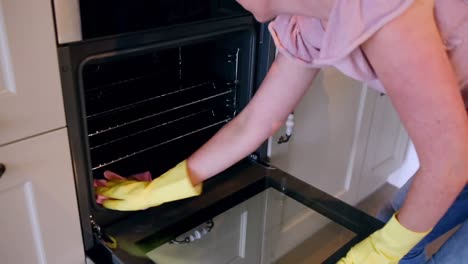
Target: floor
<point x="333" y="236"/>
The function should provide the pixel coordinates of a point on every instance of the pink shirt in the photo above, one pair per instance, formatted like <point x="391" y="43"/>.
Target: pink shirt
<point x="336" y="42"/>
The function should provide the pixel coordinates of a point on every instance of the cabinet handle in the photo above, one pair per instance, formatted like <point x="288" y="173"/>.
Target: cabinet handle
<point x="2" y="169"/>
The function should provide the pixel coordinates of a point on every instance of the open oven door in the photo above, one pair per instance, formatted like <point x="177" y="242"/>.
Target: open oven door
<point x="168" y="233"/>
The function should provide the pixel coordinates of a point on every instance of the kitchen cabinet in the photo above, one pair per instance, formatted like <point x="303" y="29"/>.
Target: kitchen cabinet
<point x="384" y="145"/>
<point x="39" y="222"/>
<point x="347" y="140"/>
<point x="30" y="91"/>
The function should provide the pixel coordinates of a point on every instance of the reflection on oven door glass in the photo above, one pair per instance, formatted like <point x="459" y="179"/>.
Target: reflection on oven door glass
<point x="268" y="228"/>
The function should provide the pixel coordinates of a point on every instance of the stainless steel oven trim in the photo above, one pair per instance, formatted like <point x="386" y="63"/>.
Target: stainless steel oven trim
<point x="68" y="21"/>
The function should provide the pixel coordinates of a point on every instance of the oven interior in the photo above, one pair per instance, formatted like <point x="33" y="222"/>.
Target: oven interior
<point x="149" y="108"/>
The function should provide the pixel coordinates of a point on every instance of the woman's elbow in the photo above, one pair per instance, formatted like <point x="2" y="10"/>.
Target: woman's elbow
<point x="275" y="126"/>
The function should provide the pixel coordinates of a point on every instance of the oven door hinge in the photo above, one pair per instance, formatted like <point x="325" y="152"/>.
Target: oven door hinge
<point x="101" y="235"/>
<point x="264" y="163"/>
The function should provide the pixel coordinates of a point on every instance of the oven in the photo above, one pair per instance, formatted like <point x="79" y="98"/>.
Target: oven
<point x="145" y="84"/>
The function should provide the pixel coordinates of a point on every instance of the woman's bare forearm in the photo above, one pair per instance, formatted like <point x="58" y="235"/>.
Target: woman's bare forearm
<point x="284" y="85"/>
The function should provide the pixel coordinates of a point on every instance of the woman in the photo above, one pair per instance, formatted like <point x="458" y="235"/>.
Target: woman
<point x="413" y="48"/>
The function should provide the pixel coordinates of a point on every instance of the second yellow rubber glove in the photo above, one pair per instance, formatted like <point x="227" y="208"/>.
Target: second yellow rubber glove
<point x="133" y="195"/>
<point x="386" y="246"/>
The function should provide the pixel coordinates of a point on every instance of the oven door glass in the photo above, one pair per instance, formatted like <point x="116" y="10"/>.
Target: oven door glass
<point x="251" y="213"/>
<point x="111" y="17"/>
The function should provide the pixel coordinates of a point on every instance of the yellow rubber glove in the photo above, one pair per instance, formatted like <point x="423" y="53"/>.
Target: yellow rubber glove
<point x="132" y="195"/>
<point x="386" y="246"/>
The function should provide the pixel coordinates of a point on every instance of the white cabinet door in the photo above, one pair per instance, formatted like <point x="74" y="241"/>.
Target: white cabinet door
<point x="386" y="144"/>
<point x="39" y="220"/>
<point x="30" y="91"/>
<point x="236" y="238"/>
<point x="321" y="151"/>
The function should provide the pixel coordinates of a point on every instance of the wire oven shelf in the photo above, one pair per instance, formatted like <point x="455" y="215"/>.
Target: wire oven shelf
<point x="222" y="122"/>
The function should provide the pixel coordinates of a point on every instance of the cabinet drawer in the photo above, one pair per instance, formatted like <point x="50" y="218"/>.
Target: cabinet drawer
<point x="40" y="223"/>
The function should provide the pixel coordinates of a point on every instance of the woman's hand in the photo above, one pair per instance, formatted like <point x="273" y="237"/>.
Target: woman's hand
<point x="386" y="246"/>
<point x="136" y="194"/>
<point x="110" y="178"/>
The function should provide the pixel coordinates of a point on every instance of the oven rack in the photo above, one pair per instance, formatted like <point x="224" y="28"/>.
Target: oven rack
<point x="152" y="115"/>
<point x="119" y="159"/>
<point x="180" y="119"/>
<point x="120" y="83"/>
<point x="111" y="149"/>
<point x="209" y="84"/>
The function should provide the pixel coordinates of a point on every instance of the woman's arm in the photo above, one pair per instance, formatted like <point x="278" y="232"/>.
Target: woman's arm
<point x="409" y="58"/>
<point x="283" y="87"/>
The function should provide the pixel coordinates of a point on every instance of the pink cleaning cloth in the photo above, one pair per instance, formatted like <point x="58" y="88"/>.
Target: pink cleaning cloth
<point x="109" y="175"/>
<point x="337" y="41"/>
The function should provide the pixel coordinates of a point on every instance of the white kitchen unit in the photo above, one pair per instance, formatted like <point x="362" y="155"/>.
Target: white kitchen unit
<point x="39" y="222"/>
<point x="347" y="140"/>
<point x="30" y="91"/>
<point x="381" y="146"/>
